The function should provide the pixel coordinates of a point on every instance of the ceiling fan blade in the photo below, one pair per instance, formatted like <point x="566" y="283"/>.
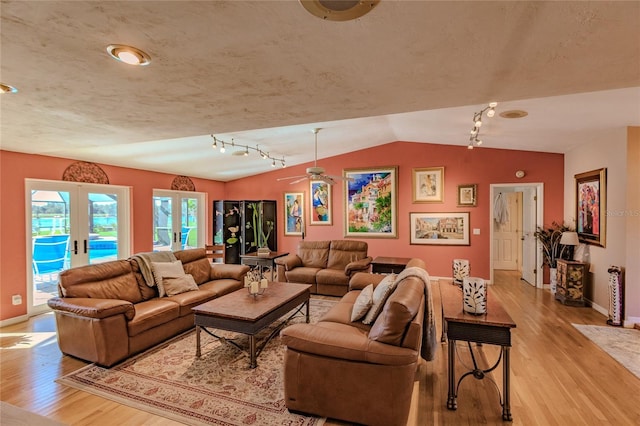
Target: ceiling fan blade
<point x="340" y="177"/>
<point x="292" y="177"/>
<point x="299" y="180"/>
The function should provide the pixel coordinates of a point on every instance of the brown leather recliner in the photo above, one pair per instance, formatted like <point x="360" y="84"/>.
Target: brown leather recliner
<point x="326" y="265"/>
<point x="362" y="373"/>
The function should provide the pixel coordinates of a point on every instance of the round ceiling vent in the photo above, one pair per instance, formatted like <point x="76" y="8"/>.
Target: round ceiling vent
<point x="514" y="113"/>
<point x="339" y="10"/>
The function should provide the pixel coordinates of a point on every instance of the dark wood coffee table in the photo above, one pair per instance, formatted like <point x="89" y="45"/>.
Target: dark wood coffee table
<point x="493" y="328"/>
<point x="242" y="313"/>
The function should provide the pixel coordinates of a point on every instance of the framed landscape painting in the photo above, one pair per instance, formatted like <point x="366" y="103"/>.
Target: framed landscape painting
<point x="591" y="207"/>
<point x="428" y="185"/>
<point x="371" y="202"/>
<point x="439" y="228"/>
<point x="293" y="213"/>
<point x="321" y="203"/>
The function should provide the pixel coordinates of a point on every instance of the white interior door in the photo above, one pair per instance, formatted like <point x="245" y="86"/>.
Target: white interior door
<point x="529" y="220"/>
<point x="506" y="236"/>
<point x="178" y="220"/>
<point x="71" y="224"/>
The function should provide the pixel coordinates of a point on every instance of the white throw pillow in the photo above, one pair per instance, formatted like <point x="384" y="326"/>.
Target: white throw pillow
<point x="166" y="270"/>
<point x="380" y="295"/>
<point x="363" y="303"/>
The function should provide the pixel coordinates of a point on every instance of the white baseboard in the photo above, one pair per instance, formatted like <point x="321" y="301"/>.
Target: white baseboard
<point x="603" y="311"/>
<point x="14" y="320"/>
<point x="631" y="321"/>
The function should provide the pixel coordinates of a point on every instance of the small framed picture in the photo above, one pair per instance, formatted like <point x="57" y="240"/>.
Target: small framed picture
<point x="320" y="203"/>
<point x="467" y="195"/>
<point x="428" y="185"/>
<point x="591" y="207"/>
<point x="439" y="228"/>
<point x="293" y="213"/>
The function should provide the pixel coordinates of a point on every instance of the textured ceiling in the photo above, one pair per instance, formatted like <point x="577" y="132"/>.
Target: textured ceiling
<point x="267" y="72"/>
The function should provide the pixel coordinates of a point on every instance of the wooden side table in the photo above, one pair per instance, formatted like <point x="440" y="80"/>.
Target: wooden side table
<point x="571" y="280"/>
<point x="389" y="265"/>
<point x="262" y="262"/>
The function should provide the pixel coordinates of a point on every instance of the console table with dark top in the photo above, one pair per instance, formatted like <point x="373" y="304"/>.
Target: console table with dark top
<point x="389" y="265"/>
<point x="262" y="261"/>
<point x="243" y="313"/>
<point x="493" y="328"/>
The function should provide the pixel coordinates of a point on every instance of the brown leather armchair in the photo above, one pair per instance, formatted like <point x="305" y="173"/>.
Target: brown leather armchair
<point x="326" y="265"/>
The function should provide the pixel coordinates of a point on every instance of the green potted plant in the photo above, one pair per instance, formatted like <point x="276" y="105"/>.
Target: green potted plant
<point x="552" y="250"/>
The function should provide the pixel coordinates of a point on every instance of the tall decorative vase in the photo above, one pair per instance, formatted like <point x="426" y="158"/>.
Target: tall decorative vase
<point x="553" y="279"/>
<point x="615" y="296"/>
<point x="474" y="295"/>
<point x="460" y="270"/>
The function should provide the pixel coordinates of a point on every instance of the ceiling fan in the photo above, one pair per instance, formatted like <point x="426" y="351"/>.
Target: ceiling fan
<point x="315" y="172"/>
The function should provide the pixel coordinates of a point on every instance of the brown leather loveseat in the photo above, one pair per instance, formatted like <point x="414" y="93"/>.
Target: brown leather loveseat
<point x="326" y="265"/>
<point x="107" y="312"/>
<point x="363" y="373"/>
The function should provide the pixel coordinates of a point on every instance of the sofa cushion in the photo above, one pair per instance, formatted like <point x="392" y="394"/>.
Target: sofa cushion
<point x="400" y="309"/>
<point x="189" y="299"/>
<point x="162" y="270"/>
<point x="332" y="277"/>
<point x="173" y="286"/>
<point x="342" y="252"/>
<point x="380" y="295"/>
<point x="152" y="313"/>
<point x="108" y="280"/>
<point x="363" y="303"/>
<point x="221" y="287"/>
<point x="314" y="254"/>
<point x="302" y="275"/>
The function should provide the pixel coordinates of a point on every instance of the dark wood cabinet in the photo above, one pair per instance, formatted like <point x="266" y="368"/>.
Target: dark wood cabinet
<point x="239" y="225"/>
<point x="571" y="282"/>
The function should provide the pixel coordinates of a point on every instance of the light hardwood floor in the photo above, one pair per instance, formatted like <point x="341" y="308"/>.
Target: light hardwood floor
<point x="558" y="376"/>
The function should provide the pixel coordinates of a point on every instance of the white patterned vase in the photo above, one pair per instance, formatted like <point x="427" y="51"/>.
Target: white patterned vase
<point x="460" y="270"/>
<point x="474" y="296"/>
<point x="553" y="280"/>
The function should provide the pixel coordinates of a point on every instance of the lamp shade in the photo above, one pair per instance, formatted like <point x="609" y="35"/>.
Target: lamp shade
<point x="569" y="238"/>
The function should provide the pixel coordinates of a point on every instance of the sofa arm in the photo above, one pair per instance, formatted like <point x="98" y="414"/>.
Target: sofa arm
<point x="360" y="280"/>
<point x="92" y="308"/>
<point x="225" y="270"/>
<point x="289" y="261"/>
<point x="342" y="341"/>
<point x="360" y="265"/>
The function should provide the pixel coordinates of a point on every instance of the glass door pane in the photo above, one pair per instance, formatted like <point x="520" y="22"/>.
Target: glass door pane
<point x="189" y="222"/>
<point x="102" y="244"/>
<point x="50" y="234"/>
<point x="162" y="223"/>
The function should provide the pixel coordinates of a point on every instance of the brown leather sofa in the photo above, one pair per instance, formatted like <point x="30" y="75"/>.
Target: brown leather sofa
<point x="362" y="373"/>
<point x="326" y="265"/>
<point x="107" y="312"/>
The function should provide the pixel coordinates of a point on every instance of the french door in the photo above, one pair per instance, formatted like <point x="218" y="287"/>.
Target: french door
<point x="71" y="224"/>
<point x="178" y="220"/>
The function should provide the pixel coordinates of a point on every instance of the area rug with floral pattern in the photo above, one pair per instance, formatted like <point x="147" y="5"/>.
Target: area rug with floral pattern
<point x="217" y="388"/>
<point x="623" y="344"/>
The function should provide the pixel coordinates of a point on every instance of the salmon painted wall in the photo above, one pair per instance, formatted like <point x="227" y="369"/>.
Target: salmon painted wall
<point x="482" y="166"/>
<point x="16" y="167"/>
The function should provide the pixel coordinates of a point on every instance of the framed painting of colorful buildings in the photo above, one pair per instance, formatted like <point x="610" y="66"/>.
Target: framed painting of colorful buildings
<point x="371" y="202"/>
<point x="439" y="228"/>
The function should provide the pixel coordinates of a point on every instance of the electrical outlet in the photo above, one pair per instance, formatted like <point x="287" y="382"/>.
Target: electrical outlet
<point x="16" y="299"/>
<point x="476" y="231"/>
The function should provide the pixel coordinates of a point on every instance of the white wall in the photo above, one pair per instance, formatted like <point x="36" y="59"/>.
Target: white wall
<point x="611" y="153"/>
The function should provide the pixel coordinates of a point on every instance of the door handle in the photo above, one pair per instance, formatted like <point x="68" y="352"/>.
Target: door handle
<point x="175" y="237"/>
<point x="75" y="246"/>
<point x="85" y="246"/>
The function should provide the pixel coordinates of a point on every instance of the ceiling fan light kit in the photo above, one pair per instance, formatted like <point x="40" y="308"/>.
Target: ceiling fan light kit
<point x="315" y="172"/>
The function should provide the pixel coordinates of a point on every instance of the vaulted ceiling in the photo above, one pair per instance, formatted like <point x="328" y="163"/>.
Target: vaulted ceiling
<point x="264" y="73"/>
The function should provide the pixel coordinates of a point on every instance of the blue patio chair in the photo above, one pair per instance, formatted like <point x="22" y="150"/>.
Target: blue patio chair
<point x="185" y="236"/>
<point x="49" y="254"/>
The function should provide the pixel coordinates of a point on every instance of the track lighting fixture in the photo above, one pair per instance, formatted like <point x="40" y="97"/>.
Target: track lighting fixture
<point x="245" y="150"/>
<point x="474" y="139"/>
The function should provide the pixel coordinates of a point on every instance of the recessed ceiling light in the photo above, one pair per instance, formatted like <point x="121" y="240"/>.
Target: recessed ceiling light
<point x="514" y="113"/>
<point x="339" y="10"/>
<point x="5" y="88"/>
<point x="128" y="54"/>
